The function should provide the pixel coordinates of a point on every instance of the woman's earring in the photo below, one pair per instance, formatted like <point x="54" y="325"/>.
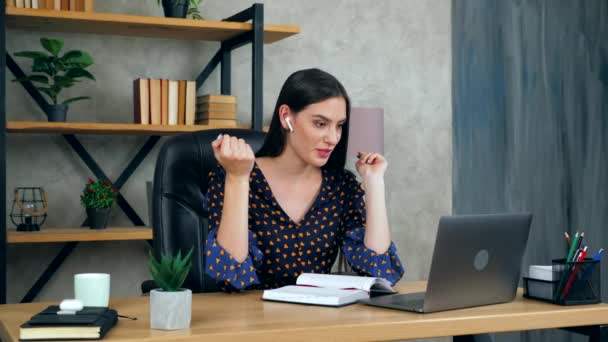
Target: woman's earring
<point x="289" y="124"/>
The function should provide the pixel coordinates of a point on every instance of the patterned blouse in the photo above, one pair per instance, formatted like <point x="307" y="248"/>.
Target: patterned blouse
<point x="280" y="249"/>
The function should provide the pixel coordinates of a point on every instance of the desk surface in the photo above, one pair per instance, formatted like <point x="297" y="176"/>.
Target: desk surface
<point x="244" y="316"/>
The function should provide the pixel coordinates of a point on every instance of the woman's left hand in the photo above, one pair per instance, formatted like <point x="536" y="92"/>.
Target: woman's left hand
<point x="371" y="165"/>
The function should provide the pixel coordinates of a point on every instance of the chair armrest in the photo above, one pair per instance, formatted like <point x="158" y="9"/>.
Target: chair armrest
<point x="147" y="286"/>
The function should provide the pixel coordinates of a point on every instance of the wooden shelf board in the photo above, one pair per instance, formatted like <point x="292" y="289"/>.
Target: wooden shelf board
<point x="138" y="26"/>
<point x="79" y="234"/>
<point x="44" y="127"/>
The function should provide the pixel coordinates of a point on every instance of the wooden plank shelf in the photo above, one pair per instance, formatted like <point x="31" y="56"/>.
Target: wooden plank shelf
<point x="79" y="234"/>
<point x="137" y="26"/>
<point x="45" y="127"/>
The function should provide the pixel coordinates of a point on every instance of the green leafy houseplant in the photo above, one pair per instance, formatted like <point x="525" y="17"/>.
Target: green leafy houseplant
<point x="193" y="10"/>
<point x="98" y="194"/>
<point x="170" y="272"/>
<point x="52" y="73"/>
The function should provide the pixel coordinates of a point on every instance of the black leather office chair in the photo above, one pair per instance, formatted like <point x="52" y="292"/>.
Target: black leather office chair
<point x="179" y="214"/>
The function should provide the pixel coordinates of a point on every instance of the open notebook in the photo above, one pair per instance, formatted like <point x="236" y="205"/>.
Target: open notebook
<point x="329" y="289"/>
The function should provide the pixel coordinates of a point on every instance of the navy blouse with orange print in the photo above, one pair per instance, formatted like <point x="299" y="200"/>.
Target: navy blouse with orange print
<point x="280" y="249"/>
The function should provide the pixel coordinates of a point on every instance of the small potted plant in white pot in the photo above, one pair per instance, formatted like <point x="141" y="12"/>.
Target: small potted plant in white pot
<point x="51" y="73"/>
<point x="170" y="305"/>
<point x="98" y="197"/>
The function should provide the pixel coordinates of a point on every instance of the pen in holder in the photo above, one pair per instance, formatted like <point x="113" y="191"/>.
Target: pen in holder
<point x="578" y="283"/>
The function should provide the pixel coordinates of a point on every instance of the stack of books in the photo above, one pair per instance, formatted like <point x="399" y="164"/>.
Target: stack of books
<point x="164" y="102"/>
<point x="59" y="5"/>
<point x="216" y="110"/>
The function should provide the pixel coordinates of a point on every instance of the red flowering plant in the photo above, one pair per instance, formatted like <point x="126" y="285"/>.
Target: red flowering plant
<point x="98" y="194"/>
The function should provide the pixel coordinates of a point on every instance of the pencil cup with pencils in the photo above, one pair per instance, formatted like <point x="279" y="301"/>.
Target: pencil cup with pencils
<point x="575" y="283"/>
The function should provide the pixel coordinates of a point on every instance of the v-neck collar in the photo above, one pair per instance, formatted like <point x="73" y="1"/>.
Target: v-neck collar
<point x="269" y="195"/>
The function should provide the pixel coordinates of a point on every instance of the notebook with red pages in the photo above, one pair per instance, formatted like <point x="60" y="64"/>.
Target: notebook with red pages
<point x="329" y="289"/>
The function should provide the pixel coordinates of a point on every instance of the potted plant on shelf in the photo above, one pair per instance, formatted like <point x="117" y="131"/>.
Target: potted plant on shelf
<point x="170" y="305"/>
<point x="98" y="197"/>
<point x="181" y="8"/>
<point x="51" y="73"/>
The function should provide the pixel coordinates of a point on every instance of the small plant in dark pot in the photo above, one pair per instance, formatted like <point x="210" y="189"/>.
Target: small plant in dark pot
<point x="51" y="73"/>
<point x="98" y="197"/>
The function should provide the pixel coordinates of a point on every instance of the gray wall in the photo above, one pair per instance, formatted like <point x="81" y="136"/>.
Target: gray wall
<point x="530" y="119"/>
<point x="393" y="54"/>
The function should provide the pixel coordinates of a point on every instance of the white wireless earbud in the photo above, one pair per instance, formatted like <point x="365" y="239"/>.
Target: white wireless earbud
<point x="289" y="124"/>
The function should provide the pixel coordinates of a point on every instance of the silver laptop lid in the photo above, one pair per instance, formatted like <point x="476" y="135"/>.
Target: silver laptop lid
<point x="476" y="260"/>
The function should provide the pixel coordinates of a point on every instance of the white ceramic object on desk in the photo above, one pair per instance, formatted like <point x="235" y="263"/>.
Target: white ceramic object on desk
<point x="92" y="289"/>
<point x="170" y="310"/>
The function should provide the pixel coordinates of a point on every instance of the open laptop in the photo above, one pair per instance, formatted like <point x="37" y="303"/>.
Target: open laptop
<point x="477" y="261"/>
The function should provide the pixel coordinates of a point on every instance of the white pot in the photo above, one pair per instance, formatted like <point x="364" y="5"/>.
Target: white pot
<point x="170" y="310"/>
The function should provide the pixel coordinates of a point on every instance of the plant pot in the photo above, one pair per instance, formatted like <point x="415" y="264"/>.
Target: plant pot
<point x="56" y="112"/>
<point x="170" y="310"/>
<point x="98" y="217"/>
<point x="175" y="8"/>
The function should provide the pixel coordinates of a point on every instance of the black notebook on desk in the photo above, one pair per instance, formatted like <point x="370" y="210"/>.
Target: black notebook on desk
<point x="91" y="323"/>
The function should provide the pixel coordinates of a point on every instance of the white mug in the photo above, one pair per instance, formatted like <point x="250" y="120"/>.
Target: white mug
<point x="93" y="289"/>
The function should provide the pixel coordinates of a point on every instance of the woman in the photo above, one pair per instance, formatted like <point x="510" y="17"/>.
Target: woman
<point x="289" y="209"/>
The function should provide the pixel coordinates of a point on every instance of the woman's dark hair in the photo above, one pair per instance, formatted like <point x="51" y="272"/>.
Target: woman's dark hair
<point x="301" y="89"/>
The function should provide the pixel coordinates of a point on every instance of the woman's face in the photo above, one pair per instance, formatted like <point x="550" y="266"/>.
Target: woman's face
<point x="317" y="129"/>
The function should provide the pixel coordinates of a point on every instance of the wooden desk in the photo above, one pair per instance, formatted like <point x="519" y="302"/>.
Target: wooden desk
<point x="245" y="317"/>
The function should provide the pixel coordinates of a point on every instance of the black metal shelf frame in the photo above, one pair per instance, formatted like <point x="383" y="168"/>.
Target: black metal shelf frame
<point x="256" y="37"/>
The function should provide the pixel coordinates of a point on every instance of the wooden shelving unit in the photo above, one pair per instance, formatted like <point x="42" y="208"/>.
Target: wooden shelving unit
<point x="80" y="234"/>
<point x="242" y="28"/>
<point x="43" y="127"/>
<point x="137" y="26"/>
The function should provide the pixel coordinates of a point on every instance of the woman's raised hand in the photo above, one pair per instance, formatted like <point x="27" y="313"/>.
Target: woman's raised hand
<point x="371" y="165"/>
<point x="234" y="155"/>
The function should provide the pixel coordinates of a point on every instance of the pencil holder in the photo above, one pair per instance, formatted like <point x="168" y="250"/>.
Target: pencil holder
<point x="577" y="283"/>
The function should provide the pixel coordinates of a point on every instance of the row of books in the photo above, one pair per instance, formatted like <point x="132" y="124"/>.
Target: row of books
<point x="60" y="5"/>
<point x="174" y="102"/>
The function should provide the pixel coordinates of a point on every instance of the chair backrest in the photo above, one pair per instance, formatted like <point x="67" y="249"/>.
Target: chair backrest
<point x="180" y="183"/>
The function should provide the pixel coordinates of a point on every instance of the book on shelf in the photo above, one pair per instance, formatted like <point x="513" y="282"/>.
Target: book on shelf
<point x="181" y="103"/>
<point x="190" y="102"/>
<point x="216" y="115"/>
<point x="63" y="5"/>
<point x="164" y="102"/>
<point x="228" y="123"/>
<point x="216" y="107"/>
<point x="173" y="102"/>
<point x="90" y="323"/>
<point x="89" y="5"/>
<point x="155" y="102"/>
<point x="141" y="101"/>
<point x="214" y="98"/>
<point x="329" y="289"/>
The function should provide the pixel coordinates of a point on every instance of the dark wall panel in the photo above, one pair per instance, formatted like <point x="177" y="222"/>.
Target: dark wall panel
<point x="530" y="118"/>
